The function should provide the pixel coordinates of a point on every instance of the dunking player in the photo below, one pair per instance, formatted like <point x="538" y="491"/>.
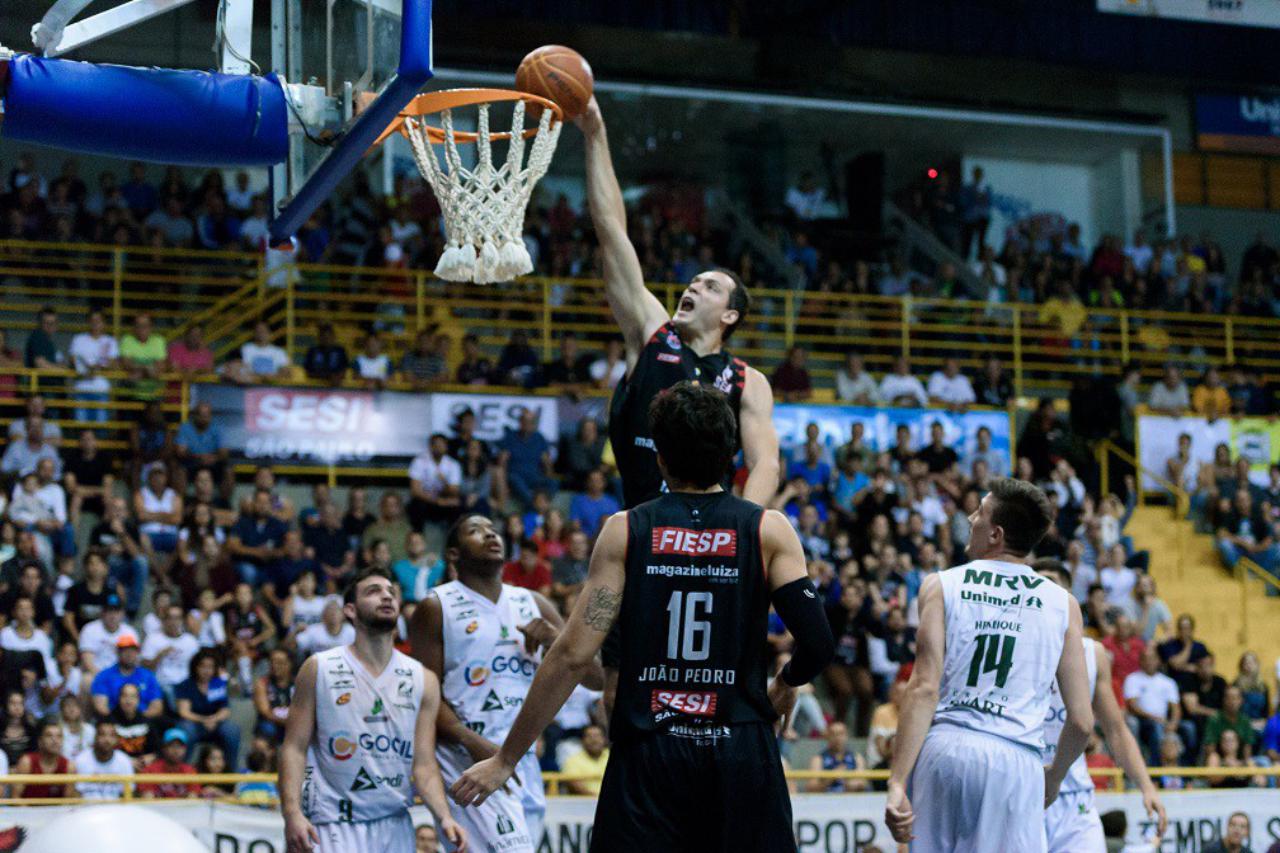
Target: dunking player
<point x="663" y="350"/>
<point x="694" y="765"/>
<point x="1071" y="823"/>
<point x="483" y="639"/>
<point x="361" y="738"/>
<point x="993" y="637"/>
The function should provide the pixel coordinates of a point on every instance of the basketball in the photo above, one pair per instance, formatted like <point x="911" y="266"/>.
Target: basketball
<point x="560" y="74"/>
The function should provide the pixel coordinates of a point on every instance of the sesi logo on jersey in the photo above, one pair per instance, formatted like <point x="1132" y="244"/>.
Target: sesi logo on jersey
<point x="683" y="702"/>
<point x="695" y="543"/>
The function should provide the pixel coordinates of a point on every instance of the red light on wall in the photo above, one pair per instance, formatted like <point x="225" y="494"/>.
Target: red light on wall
<point x="932" y="173"/>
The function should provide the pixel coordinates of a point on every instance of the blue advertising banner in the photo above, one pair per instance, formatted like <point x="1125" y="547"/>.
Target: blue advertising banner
<point x="1244" y="123"/>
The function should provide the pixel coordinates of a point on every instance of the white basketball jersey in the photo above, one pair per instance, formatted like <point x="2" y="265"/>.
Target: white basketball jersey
<point x="487" y="671"/>
<point x="1005" y="626"/>
<point x="361" y="754"/>
<point x="1078" y="778"/>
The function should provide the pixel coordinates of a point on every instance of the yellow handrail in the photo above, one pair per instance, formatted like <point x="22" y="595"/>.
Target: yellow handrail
<point x="1105" y="448"/>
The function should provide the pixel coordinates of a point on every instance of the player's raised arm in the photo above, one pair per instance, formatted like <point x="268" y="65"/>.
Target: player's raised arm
<point x="1121" y="742"/>
<point x="1073" y="686"/>
<point x="299" y="834"/>
<point x="569" y="658"/>
<point x="426" y="770"/>
<point x="638" y="312"/>
<point x="759" y="439"/>
<point x="918" y="705"/>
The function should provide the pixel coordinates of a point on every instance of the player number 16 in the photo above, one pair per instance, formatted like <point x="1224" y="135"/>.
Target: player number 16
<point x="694" y="641"/>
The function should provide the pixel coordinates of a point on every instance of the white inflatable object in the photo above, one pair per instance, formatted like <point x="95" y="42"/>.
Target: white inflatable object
<point x="112" y="829"/>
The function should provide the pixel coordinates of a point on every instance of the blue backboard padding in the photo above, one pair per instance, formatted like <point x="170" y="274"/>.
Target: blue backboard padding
<point x="160" y="115"/>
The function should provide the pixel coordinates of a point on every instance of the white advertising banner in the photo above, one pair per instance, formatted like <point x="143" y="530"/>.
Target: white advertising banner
<point x="1158" y="441"/>
<point x="1248" y="13"/>
<point x="824" y="823"/>
<point x="495" y="414"/>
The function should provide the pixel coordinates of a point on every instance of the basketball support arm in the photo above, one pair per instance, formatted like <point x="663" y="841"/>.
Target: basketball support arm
<point x="412" y="73"/>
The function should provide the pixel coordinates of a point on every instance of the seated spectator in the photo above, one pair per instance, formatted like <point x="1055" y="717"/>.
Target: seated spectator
<point x="169" y="651"/>
<point x="525" y="455"/>
<point x="475" y="368"/>
<point x="200" y="445"/>
<point x="77" y="732"/>
<point x="171" y="760"/>
<point x="272" y="695"/>
<point x="1148" y="611"/>
<point x="884" y="727"/>
<point x="42" y="348"/>
<point x="1153" y="704"/>
<point x="938" y="456"/>
<point x="117" y="541"/>
<point x="1096" y="759"/>
<point x="418" y="572"/>
<point x="589" y="761"/>
<point x="260" y="359"/>
<point x="528" y="571"/>
<point x="330" y="546"/>
<point x="22" y="456"/>
<point x="900" y="388"/>
<point x="1181" y="655"/>
<point x="1117" y="579"/>
<point x="255" y="229"/>
<point x="1253" y="690"/>
<point x="607" y="371"/>
<point x="22" y="635"/>
<point x="791" y="381"/>
<point x="427" y="363"/>
<point x="109" y="681"/>
<point x="1126" y="650"/>
<point x="173" y="225"/>
<point x="92" y="353"/>
<point x="1204" y="699"/>
<point x="213" y="759"/>
<point x="372" y="366"/>
<point x="216" y="226"/>
<point x="150" y="441"/>
<point x="103" y="759"/>
<point x="257" y="538"/>
<point x="190" y="356"/>
<point x="517" y="363"/>
<point x="326" y="360"/>
<point x="1227" y="751"/>
<point x="281" y="574"/>
<point x="100" y="639"/>
<point x="836" y="755"/>
<point x="143" y="357"/>
<point x="89" y="477"/>
<point x="158" y="509"/>
<point x="1210" y="399"/>
<point x="435" y="479"/>
<point x="139" y="734"/>
<point x="949" y="387"/>
<point x="1244" y="532"/>
<point x="202" y="706"/>
<point x="993" y="387"/>
<point x="570" y="372"/>
<point x="39" y="504"/>
<point x="591" y="508"/>
<point x="1231" y="716"/>
<point x="36" y="409"/>
<point x="854" y="384"/>
<point x="17" y="728"/>
<point x="30" y="585"/>
<point x="1169" y="396"/>
<point x="390" y="528"/>
<point x="332" y="631"/>
<point x="569" y="573"/>
<point x="46" y="759"/>
<point x="249" y="628"/>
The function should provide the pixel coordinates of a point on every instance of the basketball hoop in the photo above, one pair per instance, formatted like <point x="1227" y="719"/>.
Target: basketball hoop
<point x="483" y="206"/>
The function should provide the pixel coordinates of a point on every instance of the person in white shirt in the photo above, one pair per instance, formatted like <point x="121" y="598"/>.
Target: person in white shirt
<point x="807" y="200"/>
<point x="332" y="631"/>
<point x="1153" y="703"/>
<point x="77" y="733"/>
<point x="372" y="364"/>
<point x="168" y="653"/>
<point x="98" y="638"/>
<point x="91" y="353"/>
<point x="900" y="388"/>
<point x="103" y="759"/>
<point x="254" y="231"/>
<point x="950" y="387"/>
<point x="1169" y="396"/>
<point x="608" y="370"/>
<point x="435" y="481"/>
<point x="1139" y="252"/>
<point x="854" y="384"/>
<point x="260" y="359"/>
<point x="1117" y="578"/>
<point x="23" y="636"/>
<point x="240" y="197"/>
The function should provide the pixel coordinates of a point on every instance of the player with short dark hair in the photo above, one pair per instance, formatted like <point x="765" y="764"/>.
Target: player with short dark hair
<point x="690" y="575"/>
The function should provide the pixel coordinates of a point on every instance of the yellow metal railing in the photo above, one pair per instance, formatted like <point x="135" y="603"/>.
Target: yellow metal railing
<point x="1105" y="449"/>
<point x="1245" y="569"/>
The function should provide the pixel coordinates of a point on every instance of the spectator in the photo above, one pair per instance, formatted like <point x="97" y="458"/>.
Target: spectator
<point x="89" y="477"/>
<point x="569" y="573"/>
<point x="42" y="348"/>
<point x="202" y="707"/>
<point x="216" y="226"/>
<point x="884" y="727"/>
<point x="1227" y="751"/>
<point x="10" y="358"/>
<point x="427" y="363"/>
<point x="849" y="676"/>
<point x="158" y="509"/>
<point x="260" y="359"/>
<point x="199" y="444"/>
<point x="138" y="194"/>
<point x="103" y="759"/>
<point x="77" y="733"/>
<point x="589" y="762"/>
<point x="1169" y="396"/>
<point x="1235" y="839"/>
<point x="1210" y="398"/>
<point x="900" y="388"/>
<point x="1117" y="579"/>
<point x="435" y="479"/>
<point x="22" y="456"/>
<point x="173" y="225"/>
<point x="273" y="694"/>
<point x="525" y="456"/>
<point x="17" y="728"/>
<point x="46" y="760"/>
<point x="35" y="409"/>
<point x="1181" y="655"/>
<point x="1204" y="698"/>
<point x="993" y="387"/>
<point x="143" y="357"/>
<point x="330" y="544"/>
<point x="21" y="634"/>
<point x="109" y="680"/>
<point x="326" y="360"/>
<point x="1150" y="614"/>
<point x="608" y="370"/>
<point x="168" y="652"/>
<point x="590" y="509"/>
<point x="949" y="387"/>
<point x="854" y="384"/>
<point x="528" y="571"/>
<point x="170" y="761"/>
<point x="256" y="539"/>
<point x="836" y="755"/>
<point x="419" y="572"/>
<point x="332" y="631"/>
<point x="213" y="760"/>
<point x="426" y="839"/>
<point x="791" y="379"/>
<point x="938" y="455"/>
<point x="39" y="503"/>
<point x="150" y="440"/>
<point x="1232" y="717"/>
<point x="30" y="585"/>
<point x="517" y="363"/>
<point x="807" y="200"/>
<point x="93" y="352"/>
<point x="372" y="366"/>
<point x="100" y="639"/>
<point x="87" y="600"/>
<point x="1126" y="650"/>
<point x="581" y="454"/>
<point x="975" y="206"/>
<point x="139" y="734"/>
<point x="119" y="544"/>
<point x="1154" y="705"/>
<point x="1253" y="690"/>
<point x="390" y="528"/>
<point x="570" y="373"/>
<point x="475" y="368"/>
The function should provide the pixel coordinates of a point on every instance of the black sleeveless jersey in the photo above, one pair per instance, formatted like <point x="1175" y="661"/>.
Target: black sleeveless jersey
<point x="663" y="362"/>
<point x="694" y="618"/>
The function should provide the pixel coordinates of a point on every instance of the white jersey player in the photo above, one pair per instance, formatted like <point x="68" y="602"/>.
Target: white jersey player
<point x="1071" y="822"/>
<point x="993" y="638"/>
<point x="484" y="639"/>
<point x="361" y="738"/>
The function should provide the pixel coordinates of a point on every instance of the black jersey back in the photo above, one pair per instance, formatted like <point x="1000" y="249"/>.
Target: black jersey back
<point x="694" y="617"/>
<point x="663" y="362"/>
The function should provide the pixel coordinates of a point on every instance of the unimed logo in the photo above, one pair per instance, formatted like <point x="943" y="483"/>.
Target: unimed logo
<point x="282" y="410"/>
<point x="695" y="543"/>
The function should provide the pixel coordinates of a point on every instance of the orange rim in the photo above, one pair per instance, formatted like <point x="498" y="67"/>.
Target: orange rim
<point x="447" y="99"/>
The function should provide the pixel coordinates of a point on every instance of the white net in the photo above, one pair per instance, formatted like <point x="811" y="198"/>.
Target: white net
<point x="484" y="206"/>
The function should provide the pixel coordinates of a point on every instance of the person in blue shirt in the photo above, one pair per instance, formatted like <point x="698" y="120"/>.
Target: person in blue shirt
<point x="812" y="469"/>
<point x="256" y="539"/>
<point x="837" y="756"/>
<point x="592" y="507"/>
<point x="107" y="683"/>
<point x="526" y="456"/>
<point x="203" y="710"/>
<point x="199" y="445"/>
<point x="417" y="573"/>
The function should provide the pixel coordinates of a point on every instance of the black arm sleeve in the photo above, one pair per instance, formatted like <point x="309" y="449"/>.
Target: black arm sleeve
<point x="801" y="611"/>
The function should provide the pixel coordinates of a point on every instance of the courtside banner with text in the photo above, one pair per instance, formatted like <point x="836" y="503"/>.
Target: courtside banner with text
<point x="824" y="823"/>
<point x="1247" y="13"/>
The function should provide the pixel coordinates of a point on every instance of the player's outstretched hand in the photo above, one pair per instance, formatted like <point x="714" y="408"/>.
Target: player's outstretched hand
<point x="898" y="815"/>
<point x="782" y="697"/>
<point x="538" y="633"/>
<point x="1155" y="809"/>
<point x="454" y="834"/>
<point x="480" y="780"/>
<point x="591" y="119"/>
<point x="299" y="835"/>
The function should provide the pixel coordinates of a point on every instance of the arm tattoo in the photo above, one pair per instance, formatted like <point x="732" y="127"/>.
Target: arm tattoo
<point x="602" y="609"/>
